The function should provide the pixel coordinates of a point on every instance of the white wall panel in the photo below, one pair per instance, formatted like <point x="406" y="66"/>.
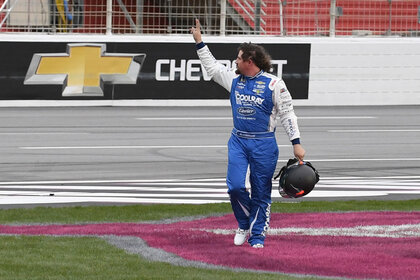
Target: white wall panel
<point x="370" y="71"/>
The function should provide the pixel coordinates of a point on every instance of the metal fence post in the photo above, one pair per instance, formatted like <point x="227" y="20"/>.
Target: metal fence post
<point x="281" y="18"/>
<point x="222" y="17"/>
<point x="332" y="17"/>
<point x="389" y="32"/>
<point x="169" y="28"/>
<point x="109" y="17"/>
<point x="139" y="16"/>
<point x="257" y="16"/>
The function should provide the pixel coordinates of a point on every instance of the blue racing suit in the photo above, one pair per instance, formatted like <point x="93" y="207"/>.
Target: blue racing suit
<point x="257" y="102"/>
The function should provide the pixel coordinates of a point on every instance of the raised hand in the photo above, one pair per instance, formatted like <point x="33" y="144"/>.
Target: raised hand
<point x="196" y="31"/>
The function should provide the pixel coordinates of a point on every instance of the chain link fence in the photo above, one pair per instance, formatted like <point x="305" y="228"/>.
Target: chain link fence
<point x="218" y="17"/>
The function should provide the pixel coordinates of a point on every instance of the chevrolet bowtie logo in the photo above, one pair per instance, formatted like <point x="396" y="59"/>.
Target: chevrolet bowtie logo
<point x="84" y="69"/>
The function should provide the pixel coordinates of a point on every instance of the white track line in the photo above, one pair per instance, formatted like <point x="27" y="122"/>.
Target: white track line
<point x="366" y="183"/>
<point x="42" y="133"/>
<point x="88" y="181"/>
<point x="403" y="177"/>
<point x="210" y="187"/>
<point x="336" y="118"/>
<point x="158" y="181"/>
<point x="371" y="187"/>
<point x="122" y="147"/>
<point x="119" y="188"/>
<point x="230" y="118"/>
<point x="371" y="130"/>
<point x="183" y="118"/>
<point x="105" y="194"/>
<point x="358" y="159"/>
<point x="130" y="147"/>
<point x="45" y="197"/>
<point x="387" y="231"/>
<point x="390" y="231"/>
<point x="17" y="200"/>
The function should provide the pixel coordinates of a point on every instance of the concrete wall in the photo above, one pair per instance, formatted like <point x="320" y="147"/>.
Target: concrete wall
<point x="365" y="71"/>
<point x="343" y="71"/>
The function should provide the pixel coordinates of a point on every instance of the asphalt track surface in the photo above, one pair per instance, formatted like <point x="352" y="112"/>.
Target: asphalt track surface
<point x="119" y="155"/>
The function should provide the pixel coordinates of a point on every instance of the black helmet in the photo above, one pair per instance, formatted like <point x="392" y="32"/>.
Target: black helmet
<point x="297" y="178"/>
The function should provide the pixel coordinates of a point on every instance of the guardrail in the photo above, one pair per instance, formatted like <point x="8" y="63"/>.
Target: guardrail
<point x="225" y="17"/>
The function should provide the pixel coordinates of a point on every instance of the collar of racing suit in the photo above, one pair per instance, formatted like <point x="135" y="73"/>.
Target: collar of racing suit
<point x="255" y="76"/>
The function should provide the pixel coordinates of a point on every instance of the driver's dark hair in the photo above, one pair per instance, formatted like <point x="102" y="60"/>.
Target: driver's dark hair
<point x="257" y="54"/>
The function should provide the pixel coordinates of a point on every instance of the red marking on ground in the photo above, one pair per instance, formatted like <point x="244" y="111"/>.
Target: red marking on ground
<point x="341" y="256"/>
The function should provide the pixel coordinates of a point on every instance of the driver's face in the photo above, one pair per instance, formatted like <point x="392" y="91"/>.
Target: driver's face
<point x="240" y="64"/>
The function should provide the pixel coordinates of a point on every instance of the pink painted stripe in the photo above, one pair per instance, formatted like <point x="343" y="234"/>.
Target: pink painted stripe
<point x="326" y="256"/>
<point x="354" y="257"/>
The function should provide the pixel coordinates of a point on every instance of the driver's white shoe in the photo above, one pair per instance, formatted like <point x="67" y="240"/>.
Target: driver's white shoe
<point x="240" y="236"/>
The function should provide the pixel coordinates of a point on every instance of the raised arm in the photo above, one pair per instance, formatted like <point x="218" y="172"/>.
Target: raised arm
<point x="219" y="72"/>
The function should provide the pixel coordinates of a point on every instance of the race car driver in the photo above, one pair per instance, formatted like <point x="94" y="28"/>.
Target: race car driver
<point x="257" y="99"/>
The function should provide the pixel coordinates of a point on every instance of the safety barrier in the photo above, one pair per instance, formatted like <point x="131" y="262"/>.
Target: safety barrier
<point x="317" y="71"/>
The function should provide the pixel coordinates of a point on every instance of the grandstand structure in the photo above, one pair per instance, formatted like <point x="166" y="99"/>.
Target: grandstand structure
<point x="219" y="17"/>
